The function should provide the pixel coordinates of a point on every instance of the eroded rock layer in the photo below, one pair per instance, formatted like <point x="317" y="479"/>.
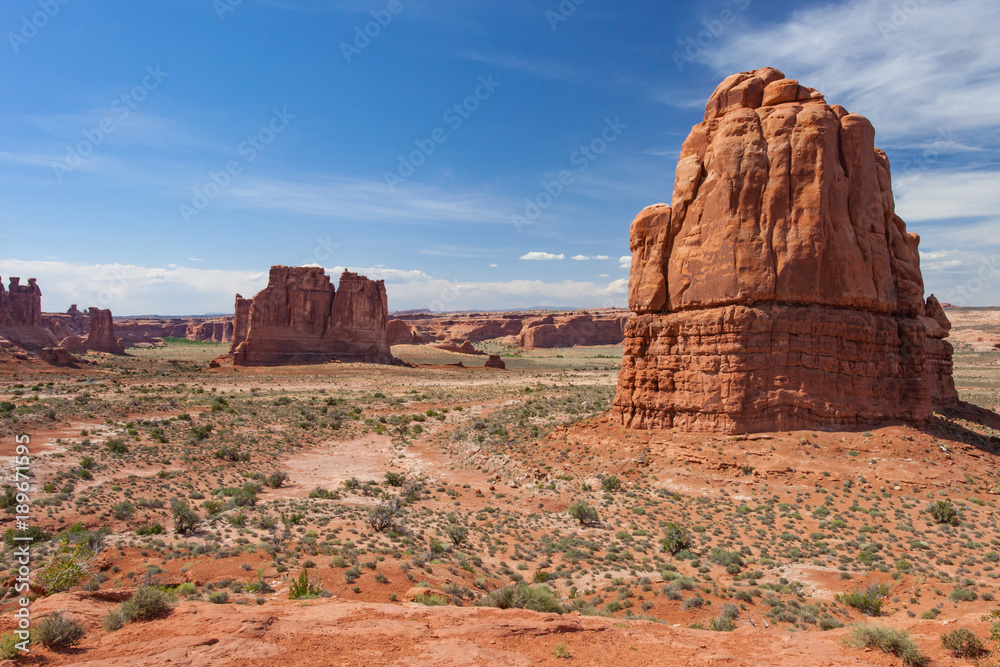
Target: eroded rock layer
<point x="300" y="318"/>
<point x="779" y="289"/>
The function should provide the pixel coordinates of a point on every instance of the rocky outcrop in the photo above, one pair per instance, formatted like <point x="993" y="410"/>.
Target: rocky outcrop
<point x="21" y="315"/>
<point x="400" y="332"/>
<point x="495" y="362"/>
<point x="101" y="336"/>
<point x="779" y="289"/>
<point x="604" y="326"/>
<point x="300" y="318"/>
<point x="465" y="348"/>
<point x="57" y="356"/>
<point x="572" y="330"/>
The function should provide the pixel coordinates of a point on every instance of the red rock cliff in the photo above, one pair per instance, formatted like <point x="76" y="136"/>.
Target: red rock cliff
<point x="779" y="289"/>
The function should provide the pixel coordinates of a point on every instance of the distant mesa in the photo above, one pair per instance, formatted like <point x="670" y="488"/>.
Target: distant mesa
<point x="779" y="289"/>
<point x="300" y="318"/>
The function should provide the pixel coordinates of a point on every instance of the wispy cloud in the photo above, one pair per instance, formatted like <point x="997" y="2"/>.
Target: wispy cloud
<point x="542" y="256"/>
<point x="912" y="71"/>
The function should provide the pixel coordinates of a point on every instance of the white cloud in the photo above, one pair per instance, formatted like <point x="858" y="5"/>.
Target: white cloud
<point x="625" y="261"/>
<point x="179" y="290"/>
<point x="493" y="266"/>
<point x="580" y="258"/>
<point x="600" y="257"/>
<point x="195" y="259"/>
<point x="942" y="195"/>
<point x="542" y="256"/>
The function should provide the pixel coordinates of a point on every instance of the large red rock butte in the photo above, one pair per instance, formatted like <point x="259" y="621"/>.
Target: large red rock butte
<point x="21" y="314"/>
<point x="300" y="318"/>
<point x="779" y="290"/>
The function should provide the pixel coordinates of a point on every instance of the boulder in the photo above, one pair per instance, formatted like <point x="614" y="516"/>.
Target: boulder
<point x="779" y="289"/>
<point x="495" y="362"/>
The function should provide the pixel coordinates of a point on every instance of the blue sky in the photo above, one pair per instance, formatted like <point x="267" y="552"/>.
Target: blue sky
<point x="159" y="156"/>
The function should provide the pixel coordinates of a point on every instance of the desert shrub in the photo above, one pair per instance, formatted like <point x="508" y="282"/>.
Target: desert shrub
<point x="962" y="595"/>
<point x="522" y="596"/>
<point x="458" y="534"/>
<point x="201" y="431"/>
<point x="218" y="597"/>
<point x="150" y="529"/>
<point x="692" y="603"/>
<point x="431" y="600"/>
<point x="8" y="647"/>
<point x="676" y="538"/>
<point x="381" y="518"/>
<point x="611" y="483"/>
<point x="721" y="624"/>
<point x="58" y="633"/>
<point x="962" y="643"/>
<point x="730" y="559"/>
<point x="584" y="513"/>
<point x="827" y="622"/>
<point x="302" y="588"/>
<point x="395" y="478"/>
<point x="930" y="614"/>
<point x="116" y="445"/>
<point x="186" y="520"/>
<point x="276" y="479"/>
<point x="147" y="603"/>
<point x="942" y="511"/>
<point x="867" y="599"/>
<point x="887" y="640"/>
<point x="70" y="564"/>
<point x="122" y="510"/>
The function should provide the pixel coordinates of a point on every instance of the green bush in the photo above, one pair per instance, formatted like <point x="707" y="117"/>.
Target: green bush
<point x="584" y="513"/>
<point x="70" y="564"/>
<point x="218" y="597"/>
<point x="186" y="520"/>
<point x="962" y="595"/>
<point x="676" y="538"/>
<point x="116" y="446"/>
<point x="150" y="529"/>
<point x="381" y="518"/>
<point x="431" y="600"/>
<point x="395" y="478"/>
<point x="8" y="647"/>
<point x="942" y="511"/>
<point x="962" y="643"/>
<point x="58" y="633"/>
<point x="522" y="596"/>
<point x="147" y="603"/>
<point x="611" y="483"/>
<point x="868" y="599"/>
<point x="887" y="640"/>
<point x="302" y="588"/>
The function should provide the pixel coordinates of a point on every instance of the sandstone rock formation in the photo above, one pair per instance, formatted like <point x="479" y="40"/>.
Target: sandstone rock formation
<point x="603" y="326"/>
<point x="402" y="333"/>
<point x="779" y="289"/>
<point x="495" y="362"/>
<point x="300" y="318"/>
<point x="57" y="356"/>
<point x="21" y="314"/>
<point x="101" y="337"/>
